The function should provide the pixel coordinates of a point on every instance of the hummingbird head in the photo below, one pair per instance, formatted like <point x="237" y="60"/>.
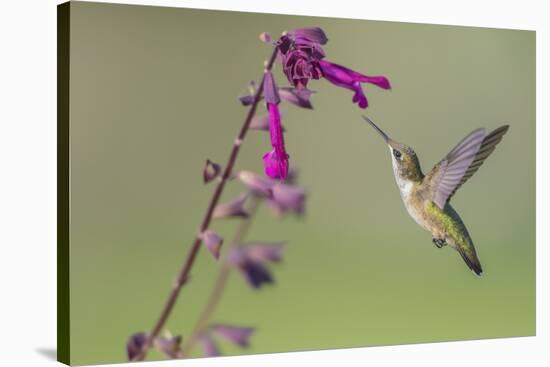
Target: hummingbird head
<point x="404" y="160"/>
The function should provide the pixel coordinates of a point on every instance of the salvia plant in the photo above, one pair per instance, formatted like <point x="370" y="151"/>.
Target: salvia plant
<point x="302" y="59"/>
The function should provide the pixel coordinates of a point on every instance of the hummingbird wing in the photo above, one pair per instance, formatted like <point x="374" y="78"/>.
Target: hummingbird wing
<point x="461" y="163"/>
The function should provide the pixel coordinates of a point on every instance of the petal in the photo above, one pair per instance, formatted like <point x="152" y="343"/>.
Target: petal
<point x="359" y="97"/>
<point x="275" y="166"/>
<point x="212" y="241"/>
<point x="255" y="273"/>
<point x="314" y="34"/>
<point x="234" y="334"/>
<point x="260" y="123"/>
<point x="379" y="81"/>
<point x="135" y="344"/>
<point x="209" y="347"/>
<point x="298" y="97"/>
<point x="233" y="208"/>
<point x="246" y="100"/>
<point x="169" y="345"/>
<point x="265" y="251"/>
<point x="271" y="94"/>
<point x="211" y="171"/>
<point x="265" y="37"/>
<point x="289" y="198"/>
<point x="344" y="77"/>
<point x="337" y="74"/>
<point x="236" y="257"/>
<point x="258" y="184"/>
<point x="276" y="129"/>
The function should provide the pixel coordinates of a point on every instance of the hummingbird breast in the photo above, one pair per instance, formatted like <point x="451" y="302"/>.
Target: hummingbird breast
<point x="412" y="200"/>
<point x="443" y="224"/>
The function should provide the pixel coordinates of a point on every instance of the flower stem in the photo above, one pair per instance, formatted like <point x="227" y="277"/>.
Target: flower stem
<point x="221" y="280"/>
<point x="192" y="254"/>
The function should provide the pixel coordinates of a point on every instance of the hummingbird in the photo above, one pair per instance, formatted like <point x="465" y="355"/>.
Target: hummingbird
<point x="426" y="197"/>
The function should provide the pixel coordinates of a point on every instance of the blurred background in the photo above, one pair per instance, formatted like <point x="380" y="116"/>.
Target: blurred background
<point x="154" y="94"/>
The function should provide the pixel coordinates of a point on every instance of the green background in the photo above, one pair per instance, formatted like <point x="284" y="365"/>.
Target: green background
<point x="154" y="93"/>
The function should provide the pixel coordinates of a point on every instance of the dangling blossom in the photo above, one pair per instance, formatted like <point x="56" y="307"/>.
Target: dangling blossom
<point x="346" y="78"/>
<point x="302" y="58"/>
<point x="275" y="161"/>
<point x="250" y="260"/>
<point x="169" y="345"/>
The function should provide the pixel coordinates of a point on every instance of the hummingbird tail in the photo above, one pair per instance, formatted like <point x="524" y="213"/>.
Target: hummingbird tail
<point x="472" y="261"/>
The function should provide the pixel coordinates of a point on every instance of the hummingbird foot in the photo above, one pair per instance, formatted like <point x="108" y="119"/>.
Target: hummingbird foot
<point x="439" y="242"/>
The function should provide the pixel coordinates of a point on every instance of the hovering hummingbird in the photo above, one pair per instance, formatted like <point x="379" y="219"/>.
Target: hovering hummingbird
<point x="426" y="197"/>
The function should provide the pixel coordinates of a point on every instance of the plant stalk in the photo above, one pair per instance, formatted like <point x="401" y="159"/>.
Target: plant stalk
<point x="221" y="280"/>
<point x="192" y="254"/>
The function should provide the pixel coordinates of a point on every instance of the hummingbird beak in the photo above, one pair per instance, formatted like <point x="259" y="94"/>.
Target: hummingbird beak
<point x="383" y="134"/>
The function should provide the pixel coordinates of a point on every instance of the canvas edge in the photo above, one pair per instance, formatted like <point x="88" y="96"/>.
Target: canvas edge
<point x="63" y="109"/>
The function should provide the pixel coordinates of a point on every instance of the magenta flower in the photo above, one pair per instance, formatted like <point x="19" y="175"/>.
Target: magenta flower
<point x="275" y="161"/>
<point x="300" y="51"/>
<point x="346" y="78"/>
<point x="302" y="55"/>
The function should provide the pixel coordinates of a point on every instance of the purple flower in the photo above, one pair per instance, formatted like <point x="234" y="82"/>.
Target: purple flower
<point x="287" y="198"/>
<point x="209" y="347"/>
<point x="233" y="208"/>
<point x="265" y="251"/>
<point x="213" y="242"/>
<point x="250" y="261"/>
<point x="300" y="52"/>
<point x="257" y="184"/>
<point x="211" y="171"/>
<point x="347" y="78"/>
<point x="169" y="345"/>
<point x="235" y="334"/>
<point x="135" y="344"/>
<point x="265" y="37"/>
<point x="275" y="161"/>
<point x="302" y="58"/>
<point x="282" y="198"/>
<point x="298" y="97"/>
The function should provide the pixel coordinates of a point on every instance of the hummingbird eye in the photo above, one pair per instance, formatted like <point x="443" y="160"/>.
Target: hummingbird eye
<point x="397" y="153"/>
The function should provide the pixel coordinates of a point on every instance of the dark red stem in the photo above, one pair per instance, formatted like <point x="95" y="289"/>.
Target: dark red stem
<point x="190" y="260"/>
